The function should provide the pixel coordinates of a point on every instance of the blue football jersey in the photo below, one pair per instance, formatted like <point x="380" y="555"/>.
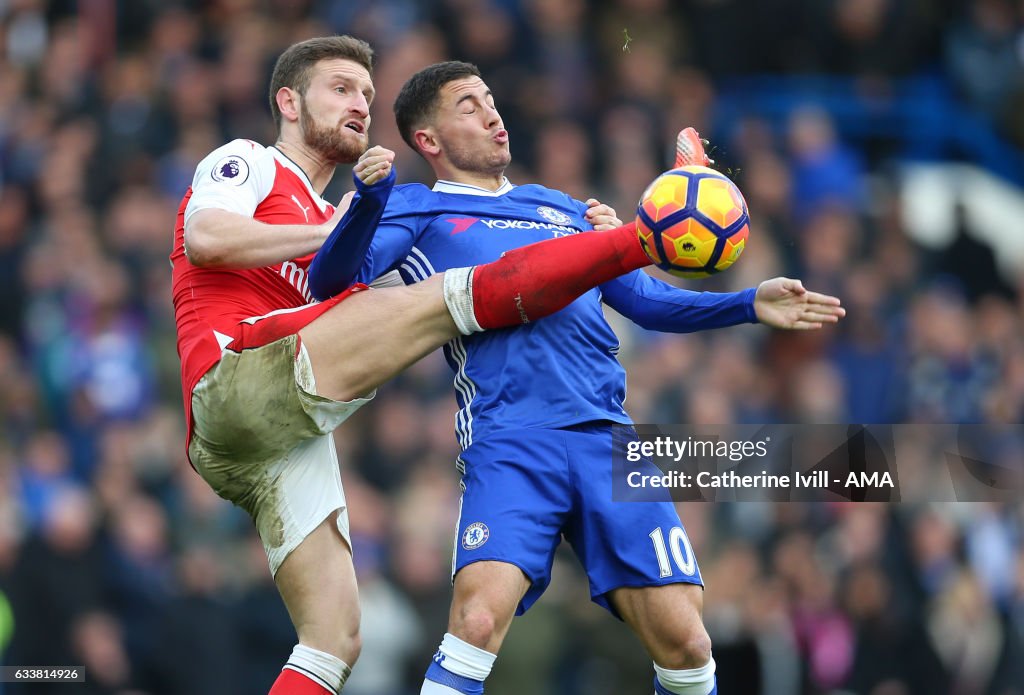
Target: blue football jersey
<point x="560" y="370"/>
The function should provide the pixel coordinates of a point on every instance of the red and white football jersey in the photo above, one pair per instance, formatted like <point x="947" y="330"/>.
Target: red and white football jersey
<point x="217" y="309"/>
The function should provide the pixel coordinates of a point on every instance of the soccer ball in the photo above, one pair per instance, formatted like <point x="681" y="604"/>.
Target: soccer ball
<point x="692" y="222"/>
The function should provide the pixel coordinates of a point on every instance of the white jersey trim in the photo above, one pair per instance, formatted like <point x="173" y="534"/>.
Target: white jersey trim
<point x="467" y="389"/>
<point x="297" y="170"/>
<point x="223" y="340"/>
<point x="461" y="466"/>
<point x="443" y="186"/>
<point x="252" y="320"/>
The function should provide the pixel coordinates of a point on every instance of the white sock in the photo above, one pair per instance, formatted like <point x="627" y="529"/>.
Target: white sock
<point x="458" y="295"/>
<point x="458" y="668"/>
<point x="691" y="681"/>
<point x="326" y="669"/>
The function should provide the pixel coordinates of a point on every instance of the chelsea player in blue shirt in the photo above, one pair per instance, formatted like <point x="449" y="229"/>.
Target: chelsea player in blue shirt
<point x="537" y="403"/>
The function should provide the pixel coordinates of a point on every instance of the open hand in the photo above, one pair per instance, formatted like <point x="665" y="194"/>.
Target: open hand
<point x="374" y="165"/>
<point x="601" y="216"/>
<point x="785" y="303"/>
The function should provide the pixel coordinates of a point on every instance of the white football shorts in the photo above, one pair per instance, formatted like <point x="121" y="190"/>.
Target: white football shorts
<point x="261" y="438"/>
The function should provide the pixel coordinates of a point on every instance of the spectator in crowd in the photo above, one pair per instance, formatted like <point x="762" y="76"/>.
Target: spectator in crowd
<point x="105" y="111"/>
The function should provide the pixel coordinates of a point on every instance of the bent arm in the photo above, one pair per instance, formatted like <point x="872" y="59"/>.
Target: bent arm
<point x="659" y="306"/>
<point x="339" y="259"/>
<point x="216" y="238"/>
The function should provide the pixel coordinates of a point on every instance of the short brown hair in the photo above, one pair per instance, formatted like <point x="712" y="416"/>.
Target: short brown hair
<point x="418" y="99"/>
<point x="294" y="67"/>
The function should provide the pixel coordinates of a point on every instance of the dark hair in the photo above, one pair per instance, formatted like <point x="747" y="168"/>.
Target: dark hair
<point x="294" y="68"/>
<point x="417" y="101"/>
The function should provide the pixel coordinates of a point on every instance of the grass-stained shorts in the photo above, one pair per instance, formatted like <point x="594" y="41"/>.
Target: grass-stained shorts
<point x="261" y="437"/>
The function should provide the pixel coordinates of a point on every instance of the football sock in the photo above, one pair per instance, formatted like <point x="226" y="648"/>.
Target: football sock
<point x="294" y="683"/>
<point x="458" y="295"/>
<point x="311" y="672"/>
<point x="692" y="681"/>
<point x="458" y="668"/>
<point x="533" y="281"/>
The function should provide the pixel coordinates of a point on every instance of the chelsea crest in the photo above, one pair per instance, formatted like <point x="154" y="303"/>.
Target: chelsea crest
<point x="475" y="535"/>
<point x="554" y="216"/>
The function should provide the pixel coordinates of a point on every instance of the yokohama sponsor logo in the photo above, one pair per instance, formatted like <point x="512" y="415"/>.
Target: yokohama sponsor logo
<point x="557" y="229"/>
<point x="296" y="277"/>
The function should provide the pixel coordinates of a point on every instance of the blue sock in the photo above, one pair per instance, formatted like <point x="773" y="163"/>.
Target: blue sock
<point x="659" y="689"/>
<point x="441" y="681"/>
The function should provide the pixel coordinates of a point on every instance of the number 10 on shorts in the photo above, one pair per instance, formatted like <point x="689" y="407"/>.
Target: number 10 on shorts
<point x="682" y="553"/>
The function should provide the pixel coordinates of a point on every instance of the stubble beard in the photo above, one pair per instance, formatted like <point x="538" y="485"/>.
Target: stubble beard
<point x="467" y="159"/>
<point x="330" y="143"/>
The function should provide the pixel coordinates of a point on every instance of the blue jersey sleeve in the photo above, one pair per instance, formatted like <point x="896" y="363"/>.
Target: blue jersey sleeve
<point x="396" y="235"/>
<point x="582" y="207"/>
<point x="659" y="306"/>
<point x="336" y="263"/>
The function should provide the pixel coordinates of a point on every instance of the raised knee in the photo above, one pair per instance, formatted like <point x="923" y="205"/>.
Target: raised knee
<point x="689" y="650"/>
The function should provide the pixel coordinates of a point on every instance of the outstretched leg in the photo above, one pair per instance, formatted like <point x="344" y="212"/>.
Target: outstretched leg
<point x="370" y="337"/>
<point x="536" y="280"/>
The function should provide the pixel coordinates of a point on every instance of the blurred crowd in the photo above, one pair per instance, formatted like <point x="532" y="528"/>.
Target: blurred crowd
<point x="115" y="556"/>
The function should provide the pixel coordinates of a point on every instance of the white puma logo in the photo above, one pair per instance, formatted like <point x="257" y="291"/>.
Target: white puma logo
<point x="305" y="210"/>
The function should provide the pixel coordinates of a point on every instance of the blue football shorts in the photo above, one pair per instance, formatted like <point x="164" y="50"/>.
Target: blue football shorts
<point x="525" y="489"/>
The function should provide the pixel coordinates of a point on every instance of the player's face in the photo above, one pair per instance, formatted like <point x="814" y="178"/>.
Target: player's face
<point x="469" y="128"/>
<point x="334" y="114"/>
